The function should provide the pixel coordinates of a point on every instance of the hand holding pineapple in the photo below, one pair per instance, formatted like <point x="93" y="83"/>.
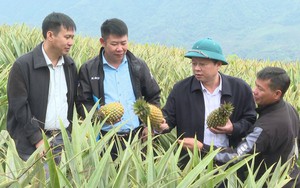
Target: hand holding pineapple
<point x="227" y="129"/>
<point x="163" y="126"/>
<point x="218" y="120"/>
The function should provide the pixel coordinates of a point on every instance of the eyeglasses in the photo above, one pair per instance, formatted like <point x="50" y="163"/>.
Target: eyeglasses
<point x="199" y="52"/>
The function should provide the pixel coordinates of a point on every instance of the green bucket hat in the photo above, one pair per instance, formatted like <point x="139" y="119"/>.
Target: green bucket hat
<point x="207" y="48"/>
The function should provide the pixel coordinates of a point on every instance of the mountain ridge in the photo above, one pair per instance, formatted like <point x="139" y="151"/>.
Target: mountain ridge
<point x="250" y="29"/>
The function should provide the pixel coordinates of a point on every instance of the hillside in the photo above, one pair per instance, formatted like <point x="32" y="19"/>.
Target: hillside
<point x="251" y="29"/>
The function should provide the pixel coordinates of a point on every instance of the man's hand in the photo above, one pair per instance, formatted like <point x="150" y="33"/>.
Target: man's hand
<point x="144" y="134"/>
<point x="188" y="143"/>
<point x="40" y="144"/>
<point x="163" y="126"/>
<point x="227" y="129"/>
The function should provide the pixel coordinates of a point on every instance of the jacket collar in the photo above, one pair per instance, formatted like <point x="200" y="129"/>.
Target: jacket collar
<point x="39" y="59"/>
<point x="226" y="87"/>
<point x="195" y="84"/>
<point x="271" y="107"/>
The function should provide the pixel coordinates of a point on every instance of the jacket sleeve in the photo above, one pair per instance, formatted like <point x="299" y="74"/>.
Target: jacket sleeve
<point x="169" y="110"/>
<point x="84" y="91"/>
<point x="298" y="137"/>
<point x="19" y="107"/>
<point x="149" y="87"/>
<point x="248" y="115"/>
<point x="256" y="141"/>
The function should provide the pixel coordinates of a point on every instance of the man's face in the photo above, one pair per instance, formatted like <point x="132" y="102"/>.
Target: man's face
<point x="62" y="41"/>
<point x="204" y="69"/>
<point x="115" y="47"/>
<point x="263" y="94"/>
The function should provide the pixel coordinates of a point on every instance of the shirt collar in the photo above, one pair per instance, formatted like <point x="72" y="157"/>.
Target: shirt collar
<point x="218" y="89"/>
<point x="49" y="62"/>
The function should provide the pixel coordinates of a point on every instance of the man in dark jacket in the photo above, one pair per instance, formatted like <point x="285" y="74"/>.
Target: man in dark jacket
<point x="42" y="87"/>
<point x="194" y="98"/>
<point x="116" y="75"/>
<point x="276" y="132"/>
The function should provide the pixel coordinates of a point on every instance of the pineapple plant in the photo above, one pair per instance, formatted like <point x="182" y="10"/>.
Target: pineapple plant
<point x="144" y="109"/>
<point x="114" y="110"/>
<point x="219" y="116"/>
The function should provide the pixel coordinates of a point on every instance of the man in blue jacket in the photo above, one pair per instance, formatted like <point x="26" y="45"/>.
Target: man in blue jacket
<point x="117" y="75"/>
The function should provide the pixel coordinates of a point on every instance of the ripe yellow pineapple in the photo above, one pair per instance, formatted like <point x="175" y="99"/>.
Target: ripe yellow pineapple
<point x="114" y="110"/>
<point x="219" y="116"/>
<point x="144" y="109"/>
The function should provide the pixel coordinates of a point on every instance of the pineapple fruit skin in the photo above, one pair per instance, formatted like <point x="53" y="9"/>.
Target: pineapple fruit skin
<point x="144" y="109"/>
<point x="156" y="116"/>
<point x="219" y="116"/>
<point x="114" y="110"/>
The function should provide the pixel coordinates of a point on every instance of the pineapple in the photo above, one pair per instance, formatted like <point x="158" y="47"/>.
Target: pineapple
<point x="114" y="110"/>
<point x="219" y="116"/>
<point x="144" y="109"/>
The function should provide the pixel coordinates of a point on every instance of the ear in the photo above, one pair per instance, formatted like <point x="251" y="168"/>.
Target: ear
<point x="277" y="94"/>
<point x="102" y="41"/>
<point x="219" y="64"/>
<point x="50" y="35"/>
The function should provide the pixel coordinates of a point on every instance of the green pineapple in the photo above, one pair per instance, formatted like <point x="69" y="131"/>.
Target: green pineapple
<point x="219" y="116"/>
<point x="114" y="110"/>
<point x="144" y="109"/>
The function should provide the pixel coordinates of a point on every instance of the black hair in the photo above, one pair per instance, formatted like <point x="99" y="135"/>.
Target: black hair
<point x="279" y="80"/>
<point x="54" y="21"/>
<point x="113" y="26"/>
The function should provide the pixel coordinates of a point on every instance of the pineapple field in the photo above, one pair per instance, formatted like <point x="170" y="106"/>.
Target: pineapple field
<point x="150" y="163"/>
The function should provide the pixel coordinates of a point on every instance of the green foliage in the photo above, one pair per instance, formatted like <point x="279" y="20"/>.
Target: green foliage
<point x="141" y="164"/>
<point x="4" y="71"/>
<point x="152" y="163"/>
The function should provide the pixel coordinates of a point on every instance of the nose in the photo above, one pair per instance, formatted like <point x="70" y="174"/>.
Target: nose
<point x="70" y="41"/>
<point x="254" y="91"/>
<point x="198" y="67"/>
<point x="119" y="47"/>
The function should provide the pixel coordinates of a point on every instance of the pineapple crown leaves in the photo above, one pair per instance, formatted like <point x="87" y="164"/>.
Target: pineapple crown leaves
<point x="141" y="108"/>
<point x="226" y="109"/>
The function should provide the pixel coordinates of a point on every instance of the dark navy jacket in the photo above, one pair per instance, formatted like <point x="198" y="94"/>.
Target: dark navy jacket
<point x="185" y="109"/>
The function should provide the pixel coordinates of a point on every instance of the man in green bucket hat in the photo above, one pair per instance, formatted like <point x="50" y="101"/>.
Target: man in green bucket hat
<point x="194" y="98"/>
<point x="207" y="48"/>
